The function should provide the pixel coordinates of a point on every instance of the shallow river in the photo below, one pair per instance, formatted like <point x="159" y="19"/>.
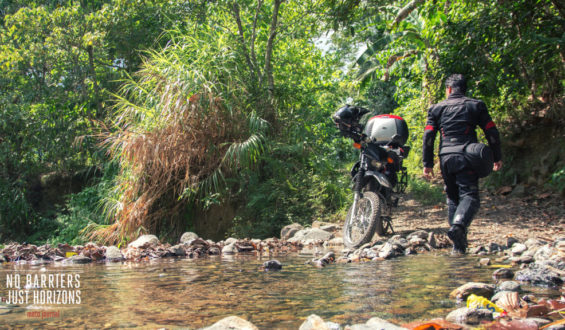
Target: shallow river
<point x="195" y="293"/>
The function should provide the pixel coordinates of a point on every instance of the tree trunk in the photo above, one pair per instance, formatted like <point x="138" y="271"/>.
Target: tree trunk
<point x="268" y="72"/>
<point x="90" y="51"/>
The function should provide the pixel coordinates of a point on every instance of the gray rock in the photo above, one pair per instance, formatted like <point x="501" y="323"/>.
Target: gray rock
<point x="229" y="249"/>
<point x="78" y="259"/>
<point x="314" y="322"/>
<point x="466" y="315"/>
<point x="144" y="241"/>
<point x="336" y="241"/>
<point x="417" y="241"/>
<point x="538" y="274"/>
<point x="398" y="240"/>
<point x="512" y="286"/>
<point x="523" y="259"/>
<point x="177" y="250"/>
<point x="534" y="243"/>
<point x="289" y="231"/>
<point x="479" y="289"/>
<point x="477" y="250"/>
<point x="484" y="261"/>
<point x="230" y="241"/>
<point x="232" y="323"/>
<point x="113" y="254"/>
<point x="422" y="234"/>
<point x="387" y="251"/>
<point x="187" y="237"/>
<point x="2" y="258"/>
<point x="503" y="273"/>
<point x="315" y="234"/>
<point x="544" y="253"/>
<point x="378" y="323"/>
<point x="493" y="247"/>
<point x="518" y="249"/>
<point x="214" y="251"/>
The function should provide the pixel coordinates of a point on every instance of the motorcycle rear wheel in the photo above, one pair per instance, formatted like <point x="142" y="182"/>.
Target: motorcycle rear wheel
<point x="361" y="224"/>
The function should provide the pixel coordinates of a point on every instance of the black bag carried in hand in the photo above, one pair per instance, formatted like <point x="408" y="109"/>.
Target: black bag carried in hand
<point x="480" y="158"/>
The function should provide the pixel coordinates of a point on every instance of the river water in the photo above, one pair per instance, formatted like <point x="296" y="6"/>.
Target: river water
<point x="193" y="293"/>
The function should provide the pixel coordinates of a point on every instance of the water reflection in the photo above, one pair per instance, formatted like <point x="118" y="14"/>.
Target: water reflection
<point x="196" y="293"/>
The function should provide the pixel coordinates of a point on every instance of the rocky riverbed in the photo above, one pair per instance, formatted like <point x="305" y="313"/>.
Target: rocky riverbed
<point x="535" y="262"/>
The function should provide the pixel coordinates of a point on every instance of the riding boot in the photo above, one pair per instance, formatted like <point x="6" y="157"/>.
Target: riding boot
<point x="458" y="235"/>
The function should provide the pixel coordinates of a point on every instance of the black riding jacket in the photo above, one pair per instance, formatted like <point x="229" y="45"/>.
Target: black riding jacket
<point x="456" y="118"/>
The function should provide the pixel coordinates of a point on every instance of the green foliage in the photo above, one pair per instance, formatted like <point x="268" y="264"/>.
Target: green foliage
<point x="558" y="180"/>
<point x="425" y="192"/>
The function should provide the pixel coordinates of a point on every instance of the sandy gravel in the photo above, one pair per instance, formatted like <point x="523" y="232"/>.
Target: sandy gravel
<point x="540" y="215"/>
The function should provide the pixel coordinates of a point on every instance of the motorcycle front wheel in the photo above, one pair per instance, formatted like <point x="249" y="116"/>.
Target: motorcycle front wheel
<point x="361" y="223"/>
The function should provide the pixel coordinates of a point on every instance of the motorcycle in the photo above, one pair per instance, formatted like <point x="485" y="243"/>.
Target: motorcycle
<point x="378" y="177"/>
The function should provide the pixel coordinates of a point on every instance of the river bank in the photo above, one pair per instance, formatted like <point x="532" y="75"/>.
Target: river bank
<point x="536" y="259"/>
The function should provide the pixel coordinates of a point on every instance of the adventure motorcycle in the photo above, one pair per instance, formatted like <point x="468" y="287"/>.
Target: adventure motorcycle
<point x="378" y="177"/>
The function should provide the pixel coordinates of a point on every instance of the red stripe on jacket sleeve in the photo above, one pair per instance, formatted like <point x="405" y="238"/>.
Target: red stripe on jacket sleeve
<point x="489" y="125"/>
<point x="429" y="128"/>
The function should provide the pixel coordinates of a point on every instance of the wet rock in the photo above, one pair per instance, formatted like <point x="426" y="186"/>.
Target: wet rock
<point x="144" y="241"/>
<point x="78" y="259"/>
<point x="229" y="249"/>
<point x="314" y="234"/>
<point x="336" y="241"/>
<point x="288" y="232"/>
<point x="2" y="259"/>
<point x="523" y="259"/>
<point x="187" y="237"/>
<point x="113" y="254"/>
<point x="233" y="323"/>
<point x="476" y="288"/>
<point x="324" y="261"/>
<point x="314" y="322"/>
<point x="494" y="248"/>
<point x="214" y="251"/>
<point x="484" y="261"/>
<point x="534" y="243"/>
<point x="387" y="251"/>
<point x="503" y="273"/>
<point x="177" y="250"/>
<point x="518" y="249"/>
<point x="544" y="253"/>
<point x="421" y="234"/>
<point x="398" y="240"/>
<point x="471" y="316"/>
<point x="230" y="241"/>
<point x="538" y="274"/>
<point x="479" y="250"/>
<point x="272" y="265"/>
<point x="512" y="286"/>
<point x="376" y="323"/>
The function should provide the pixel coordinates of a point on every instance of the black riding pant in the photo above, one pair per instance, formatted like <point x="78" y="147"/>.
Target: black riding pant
<point x="462" y="189"/>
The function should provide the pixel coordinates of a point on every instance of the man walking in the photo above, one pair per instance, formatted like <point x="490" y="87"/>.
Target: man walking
<point x="456" y="118"/>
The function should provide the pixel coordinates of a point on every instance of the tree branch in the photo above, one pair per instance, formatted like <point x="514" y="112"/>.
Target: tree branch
<point x="404" y="12"/>
<point x="237" y="17"/>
